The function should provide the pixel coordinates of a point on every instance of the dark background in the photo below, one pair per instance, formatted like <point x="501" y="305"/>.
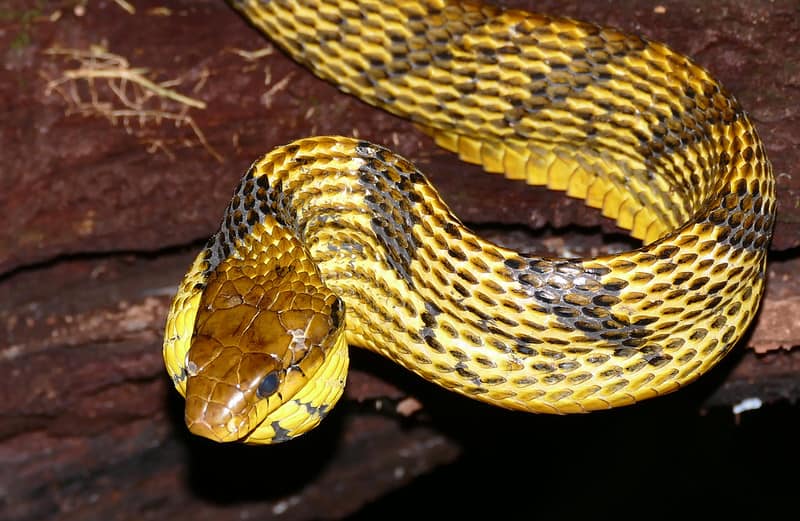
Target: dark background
<point x="107" y="191"/>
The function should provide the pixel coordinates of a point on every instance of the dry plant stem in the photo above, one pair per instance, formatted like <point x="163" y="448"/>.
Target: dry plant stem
<point x="135" y="76"/>
<point x="130" y="87"/>
<point x="127" y="6"/>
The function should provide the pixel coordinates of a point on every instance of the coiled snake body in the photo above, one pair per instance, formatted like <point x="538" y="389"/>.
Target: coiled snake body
<point x="329" y="241"/>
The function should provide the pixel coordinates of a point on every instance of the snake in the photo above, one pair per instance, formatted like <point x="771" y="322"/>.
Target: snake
<point x="332" y="241"/>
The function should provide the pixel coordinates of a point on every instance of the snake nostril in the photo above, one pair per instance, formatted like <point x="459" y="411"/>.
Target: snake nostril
<point x="190" y="367"/>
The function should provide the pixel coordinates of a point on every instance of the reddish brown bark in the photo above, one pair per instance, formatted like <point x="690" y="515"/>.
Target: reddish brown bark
<point x="102" y="210"/>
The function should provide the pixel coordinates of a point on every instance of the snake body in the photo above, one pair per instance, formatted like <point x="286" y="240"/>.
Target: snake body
<point x="330" y="241"/>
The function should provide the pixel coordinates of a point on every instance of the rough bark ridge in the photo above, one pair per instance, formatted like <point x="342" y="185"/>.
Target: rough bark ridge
<point x="124" y="130"/>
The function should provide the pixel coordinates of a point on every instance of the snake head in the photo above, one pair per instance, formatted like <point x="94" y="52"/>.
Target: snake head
<point x="254" y="365"/>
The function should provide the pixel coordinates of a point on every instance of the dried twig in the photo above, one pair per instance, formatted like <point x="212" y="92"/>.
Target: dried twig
<point x="122" y="93"/>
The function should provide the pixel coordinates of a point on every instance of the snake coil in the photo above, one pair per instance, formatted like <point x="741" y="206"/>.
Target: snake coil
<point x="330" y="241"/>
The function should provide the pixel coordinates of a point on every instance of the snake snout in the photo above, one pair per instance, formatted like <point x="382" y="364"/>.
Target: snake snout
<point x="213" y="420"/>
<point x="225" y="394"/>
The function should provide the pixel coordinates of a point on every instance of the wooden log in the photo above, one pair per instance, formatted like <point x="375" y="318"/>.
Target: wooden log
<point x="123" y="136"/>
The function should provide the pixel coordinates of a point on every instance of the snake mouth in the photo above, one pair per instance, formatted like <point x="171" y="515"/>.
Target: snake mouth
<point x="272" y="419"/>
<point x="208" y="415"/>
<point x="201" y="428"/>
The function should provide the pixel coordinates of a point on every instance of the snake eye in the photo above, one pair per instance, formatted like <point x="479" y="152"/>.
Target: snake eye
<point x="268" y="385"/>
<point x="337" y="312"/>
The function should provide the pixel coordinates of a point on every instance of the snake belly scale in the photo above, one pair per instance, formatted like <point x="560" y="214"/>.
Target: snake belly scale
<point x="330" y="241"/>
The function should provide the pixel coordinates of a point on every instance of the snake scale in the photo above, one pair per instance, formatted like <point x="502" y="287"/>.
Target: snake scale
<point x="330" y="241"/>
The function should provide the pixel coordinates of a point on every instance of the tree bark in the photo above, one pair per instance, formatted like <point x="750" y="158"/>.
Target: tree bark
<point x="123" y="135"/>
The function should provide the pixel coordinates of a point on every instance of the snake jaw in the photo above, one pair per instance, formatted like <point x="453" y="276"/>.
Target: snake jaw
<point x="209" y="419"/>
<point x="222" y="389"/>
<point x="271" y="404"/>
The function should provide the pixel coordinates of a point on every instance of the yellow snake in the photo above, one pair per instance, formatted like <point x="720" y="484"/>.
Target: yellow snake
<point x="330" y="241"/>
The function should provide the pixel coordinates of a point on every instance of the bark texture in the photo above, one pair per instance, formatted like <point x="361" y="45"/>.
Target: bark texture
<point x="122" y="137"/>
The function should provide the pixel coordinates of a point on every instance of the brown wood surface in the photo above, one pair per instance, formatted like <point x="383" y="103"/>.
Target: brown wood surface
<point x="108" y="188"/>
